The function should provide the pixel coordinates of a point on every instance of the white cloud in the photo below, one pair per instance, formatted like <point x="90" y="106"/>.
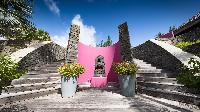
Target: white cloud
<point x="52" y="6"/>
<point x="61" y="40"/>
<point x="87" y="34"/>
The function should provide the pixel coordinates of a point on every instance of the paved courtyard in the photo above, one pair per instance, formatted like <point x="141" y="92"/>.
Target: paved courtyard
<point x="92" y="100"/>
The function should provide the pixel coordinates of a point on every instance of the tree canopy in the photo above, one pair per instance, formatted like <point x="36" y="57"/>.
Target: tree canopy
<point x="14" y="17"/>
<point x="172" y="28"/>
<point x="15" y="21"/>
<point x="108" y="42"/>
<point x="33" y="33"/>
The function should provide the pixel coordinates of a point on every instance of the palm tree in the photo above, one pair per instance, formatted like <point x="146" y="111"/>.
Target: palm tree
<point x="14" y="17"/>
<point x="172" y="28"/>
<point x="109" y="41"/>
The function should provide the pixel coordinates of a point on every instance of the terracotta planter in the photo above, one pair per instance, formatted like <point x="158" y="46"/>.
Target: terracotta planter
<point x="127" y="85"/>
<point x="68" y="86"/>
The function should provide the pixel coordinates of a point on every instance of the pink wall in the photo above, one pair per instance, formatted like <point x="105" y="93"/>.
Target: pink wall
<point x="87" y="56"/>
<point x="168" y="35"/>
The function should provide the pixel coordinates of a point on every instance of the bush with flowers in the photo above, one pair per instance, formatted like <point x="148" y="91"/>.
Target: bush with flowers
<point x="125" y="68"/>
<point x="71" y="70"/>
<point x="190" y="75"/>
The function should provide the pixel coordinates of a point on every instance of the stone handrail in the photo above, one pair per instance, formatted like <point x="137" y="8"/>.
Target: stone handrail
<point x="182" y="56"/>
<point x="18" y="55"/>
<point x="38" y="54"/>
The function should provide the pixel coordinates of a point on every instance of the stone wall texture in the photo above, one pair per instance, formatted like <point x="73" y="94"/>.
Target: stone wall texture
<point x="157" y="56"/>
<point x="72" y="47"/>
<point x="194" y="49"/>
<point x="48" y="53"/>
<point x="191" y="35"/>
<point x="124" y="40"/>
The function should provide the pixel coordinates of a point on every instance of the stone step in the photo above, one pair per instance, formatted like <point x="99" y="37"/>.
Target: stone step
<point x="171" y="95"/>
<point x="113" y="103"/>
<point x="157" y="79"/>
<point x="138" y="61"/>
<point x="150" y="75"/>
<point x="35" y="72"/>
<point x="149" y="71"/>
<point x="162" y="74"/>
<point x="57" y="62"/>
<point x="41" y="75"/>
<point x="144" y="64"/>
<point x="53" y="65"/>
<point x="48" y="68"/>
<point x="163" y="86"/>
<point x="34" y="80"/>
<point x="167" y="87"/>
<point x="81" y="109"/>
<point x="50" y="65"/>
<point x="146" y="67"/>
<point x="30" y="87"/>
<point x="157" y="85"/>
<point x="17" y="97"/>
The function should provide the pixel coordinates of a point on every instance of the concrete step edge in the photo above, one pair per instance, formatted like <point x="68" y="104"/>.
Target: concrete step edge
<point x="156" y="77"/>
<point x="172" y="92"/>
<point x="35" y="84"/>
<point x="185" y="98"/>
<point x="161" y="83"/>
<point x="13" y="97"/>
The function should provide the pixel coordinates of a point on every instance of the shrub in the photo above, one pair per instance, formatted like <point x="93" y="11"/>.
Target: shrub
<point x="185" y="44"/>
<point x="8" y="71"/>
<point x="124" y="68"/>
<point x="190" y="75"/>
<point x="71" y="69"/>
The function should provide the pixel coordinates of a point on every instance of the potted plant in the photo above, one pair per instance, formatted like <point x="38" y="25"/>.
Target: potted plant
<point x="69" y="74"/>
<point x="127" y="77"/>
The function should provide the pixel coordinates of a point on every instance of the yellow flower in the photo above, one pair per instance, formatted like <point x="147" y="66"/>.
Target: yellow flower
<point x="71" y="69"/>
<point x="124" y="68"/>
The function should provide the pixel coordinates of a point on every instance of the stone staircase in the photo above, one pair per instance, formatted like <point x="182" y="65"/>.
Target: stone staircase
<point x="91" y="100"/>
<point x="40" y="81"/>
<point x="161" y="83"/>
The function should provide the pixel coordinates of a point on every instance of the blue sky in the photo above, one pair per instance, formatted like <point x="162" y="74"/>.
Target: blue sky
<point x="100" y="18"/>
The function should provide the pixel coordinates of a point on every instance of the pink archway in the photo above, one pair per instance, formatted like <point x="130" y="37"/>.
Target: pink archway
<point x="87" y="56"/>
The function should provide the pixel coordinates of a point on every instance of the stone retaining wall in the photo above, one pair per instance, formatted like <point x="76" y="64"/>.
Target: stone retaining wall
<point x="48" y="53"/>
<point x="194" y="49"/>
<point x="191" y="35"/>
<point x="156" y="55"/>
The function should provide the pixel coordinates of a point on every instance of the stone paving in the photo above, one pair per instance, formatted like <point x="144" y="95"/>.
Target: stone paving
<point x="91" y="100"/>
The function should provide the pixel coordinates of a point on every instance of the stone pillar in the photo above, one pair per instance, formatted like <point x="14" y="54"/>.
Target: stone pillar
<point x="72" y="47"/>
<point x="125" y="44"/>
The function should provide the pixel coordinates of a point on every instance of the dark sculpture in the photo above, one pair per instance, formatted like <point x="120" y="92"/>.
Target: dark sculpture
<point x="99" y="67"/>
